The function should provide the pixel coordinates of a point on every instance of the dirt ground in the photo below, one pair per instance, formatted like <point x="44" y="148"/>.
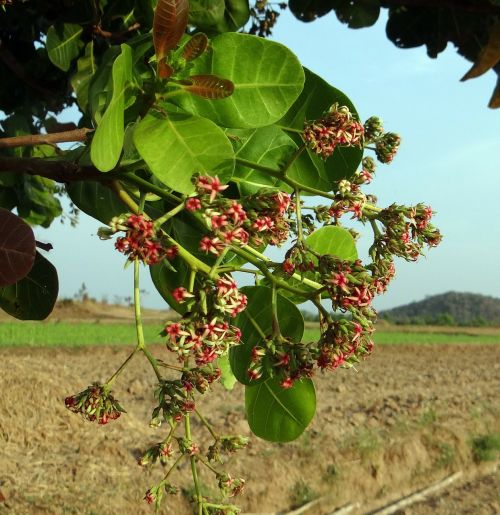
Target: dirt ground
<point x="404" y="420"/>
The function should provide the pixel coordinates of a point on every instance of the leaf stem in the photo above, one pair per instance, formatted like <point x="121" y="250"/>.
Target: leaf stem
<point x="298" y="214"/>
<point x="274" y="313"/>
<point x="194" y="472"/>
<point x="209" y="467"/>
<point x="148" y="186"/>
<point x="256" y="166"/>
<point x="160" y="221"/>
<point x="111" y="380"/>
<point x="218" y="261"/>
<point x="207" y="425"/>
<point x="293" y="158"/>
<point x="256" y="253"/>
<point x="141" y="345"/>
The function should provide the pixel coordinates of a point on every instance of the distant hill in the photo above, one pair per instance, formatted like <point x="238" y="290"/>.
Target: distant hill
<point x="452" y="308"/>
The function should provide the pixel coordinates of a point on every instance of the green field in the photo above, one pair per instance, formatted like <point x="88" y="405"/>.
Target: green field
<point x="39" y="334"/>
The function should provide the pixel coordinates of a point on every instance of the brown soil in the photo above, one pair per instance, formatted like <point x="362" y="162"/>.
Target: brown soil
<point x="404" y="420"/>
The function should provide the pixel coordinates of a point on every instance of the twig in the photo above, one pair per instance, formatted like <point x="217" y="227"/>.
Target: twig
<point x="420" y="495"/>
<point x="57" y="170"/>
<point x="44" y="246"/>
<point x="30" y="140"/>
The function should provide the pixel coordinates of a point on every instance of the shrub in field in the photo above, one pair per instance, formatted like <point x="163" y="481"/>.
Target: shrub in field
<point x="199" y="153"/>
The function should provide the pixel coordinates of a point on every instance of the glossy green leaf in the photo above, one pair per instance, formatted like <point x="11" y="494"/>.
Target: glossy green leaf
<point x="264" y="87"/>
<point x="34" y="296"/>
<point x="167" y="277"/>
<point x="80" y="81"/>
<point x="227" y="378"/>
<point x="101" y="84"/>
<point x="314" y="100"/>
<point x="219" y="15"/>
<point x="277" y="414"/>
<point x="63" y="44"/>
<point x="257" y="319"/>
<point x="107" y="142"/>
<point x="177" y="146"/>
<point x="330" y="239"/>
<point x="96" y="200"/>
<point x="267" y="146"/>
<point x="335" y="241"/>
<point x="17" y="248"/>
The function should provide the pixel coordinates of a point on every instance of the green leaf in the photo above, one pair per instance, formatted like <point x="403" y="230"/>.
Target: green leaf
<point x="258" y="314"/>
<point x="358" y="13"/>
<point x="330" y="239"/>
<point x="218" y="15"/>
<point x="101" y="84"/>
<point x="34" y="296"/>
<point x="264" y="88"/>
<point x="80" y="81"/>
<point x="63" y="44"/>
<point x="267" y="146"/>
<point x="333" y="240"/>
<point x="108" y="138"/>
<point x="227" y="379"/>
<point x="166" y="277"/>
<point x="36" y="200"/>
<point x="176" y="147"/>
<point x="316" y="97"/>
<point x="95" y="200"/>
<point x="277" y="414"/>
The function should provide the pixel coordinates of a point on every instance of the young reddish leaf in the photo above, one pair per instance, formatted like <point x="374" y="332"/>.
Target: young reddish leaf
<point x="164" y="69"/>
<point x="209" y="86"/>
<point x="169" y="23"/>
<point x="17" y="248"/>
<point x="195" y="46"/>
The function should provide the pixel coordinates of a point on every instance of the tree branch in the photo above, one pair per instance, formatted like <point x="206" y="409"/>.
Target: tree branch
<point x="59" y="171"/>
<point x="18" y="70"/>
<point x="48" y="139"/>
<point x="116" y="37"/>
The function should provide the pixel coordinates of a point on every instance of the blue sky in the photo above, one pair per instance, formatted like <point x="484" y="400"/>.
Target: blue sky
<point x="448" y="159"/>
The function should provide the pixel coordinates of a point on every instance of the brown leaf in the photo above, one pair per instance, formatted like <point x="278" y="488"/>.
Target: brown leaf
<point x="495" y="98"/>
<point x="195" y="46"/>
<point x="209" y="86"/>
<point x="489" y="55"/>
<point x="2" y="497"/>
<point x="164" y="69"/>
<point x="169" y="24"/>
<point x="17" y="248"/>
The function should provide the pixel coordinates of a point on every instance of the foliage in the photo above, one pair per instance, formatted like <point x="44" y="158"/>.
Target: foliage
<point x="451" y="308"/>
<point x="472" y="26"/>
<point x="197" y="159"/>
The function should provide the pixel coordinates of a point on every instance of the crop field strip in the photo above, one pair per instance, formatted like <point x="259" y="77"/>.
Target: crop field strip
<point x="65" y="334"/>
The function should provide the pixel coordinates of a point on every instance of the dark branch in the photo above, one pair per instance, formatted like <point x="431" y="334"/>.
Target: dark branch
<point x="18" y="70"/>
<point x="44" y="246"/>
<point x="59" y="171"/>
